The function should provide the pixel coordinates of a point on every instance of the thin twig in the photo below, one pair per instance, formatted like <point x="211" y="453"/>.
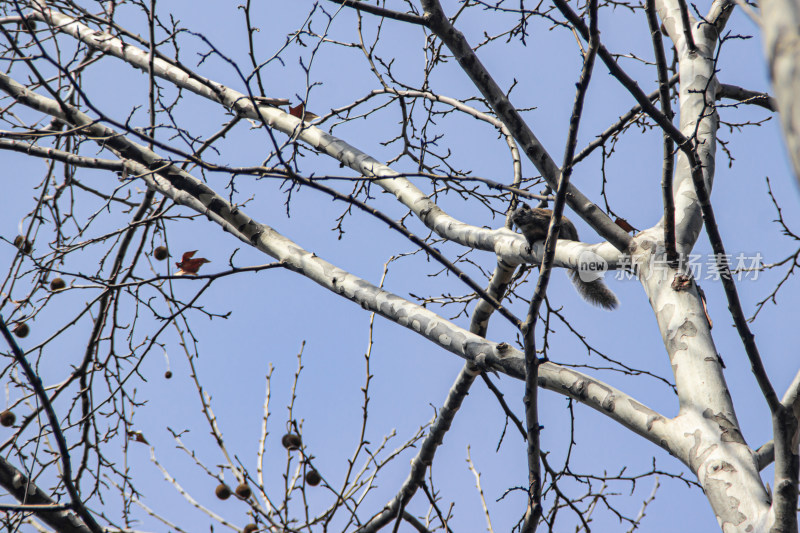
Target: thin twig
<point x="534" y="511"/>
<point x="382" y="12"/>
<point x="703" y="198"/>
<point x="669" y="146"/>
<point x="687" y="27"/>
<point x="480" y="491"/>
<point x="55" y="427"/>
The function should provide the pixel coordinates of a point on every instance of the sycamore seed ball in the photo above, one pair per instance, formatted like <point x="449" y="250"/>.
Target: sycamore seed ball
<point x="243" y="491"/>
<point x="222" y="491"/>
<point x="23" y="244"/>
<point x="22" y="330"/>
<point x="7" y="418"/>
<point x="250" y="528"/>
<point x="313" y="478"/>
<point x="57" y="284"/>
<point x="291" y="441"/>
<point x="161" y="253"/>
<point x="168" y="374"/>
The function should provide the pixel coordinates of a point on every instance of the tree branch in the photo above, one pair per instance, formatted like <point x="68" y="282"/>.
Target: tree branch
<point x="187" y="190"/>
<point x="703" y="198"/>
<point x="747" y="97"/>
<point x="765" y="455"/>
<point x="619" y="124"/>
<point x="534" y="511"/>
<point x="358" y="5"/>
<point x="406" y="192"/>
<point x="669" y="147"/>
<point x="60" y="155"/>
<point x="786" y="439"/>
<point x="424" y="458"/>
<point x="687" y="27"/>
<point x="55" y="427"/>
<point x="472" y="66"/>
<point x="781" y="35"/>
<point x="25" y="490"/>
<point x="444" y="418"/>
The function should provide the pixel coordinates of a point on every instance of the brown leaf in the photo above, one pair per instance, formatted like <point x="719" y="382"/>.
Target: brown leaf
<point x="137" y="436"/>
<point x="622" y="223"/>
<point x="300" y="112"/>
<point x="188" y="265"/>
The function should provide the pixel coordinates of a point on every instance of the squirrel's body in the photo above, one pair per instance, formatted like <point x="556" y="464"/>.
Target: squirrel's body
<point x="533" y="223"/>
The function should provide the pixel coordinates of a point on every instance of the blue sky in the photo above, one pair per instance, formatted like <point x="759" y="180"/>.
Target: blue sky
<point x="273" y="312"/>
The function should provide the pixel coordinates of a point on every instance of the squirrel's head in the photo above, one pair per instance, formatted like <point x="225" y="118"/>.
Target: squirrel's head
<point x="520" y="212"/>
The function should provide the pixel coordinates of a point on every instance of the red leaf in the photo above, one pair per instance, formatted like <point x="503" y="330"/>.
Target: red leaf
<point x="622" y="223"/>
<point x="187" y="265"/>
<point x="300" y="112"/>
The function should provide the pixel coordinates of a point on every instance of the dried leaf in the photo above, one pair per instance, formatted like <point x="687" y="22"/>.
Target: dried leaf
<point x="137" y="436"/>
<point x="622" y="223"/>
<point x="188" y="265"/>
<point x="300" y="112"/>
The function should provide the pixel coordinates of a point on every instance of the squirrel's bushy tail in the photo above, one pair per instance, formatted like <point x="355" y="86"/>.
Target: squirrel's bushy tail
<point x="594" y="292"/>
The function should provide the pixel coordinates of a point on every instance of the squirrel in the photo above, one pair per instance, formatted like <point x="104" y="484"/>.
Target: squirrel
<point x="533" y="223"/>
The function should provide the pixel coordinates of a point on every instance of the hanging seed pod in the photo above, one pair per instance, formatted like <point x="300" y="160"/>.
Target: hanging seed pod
<point x="291" y="441"/>
<point x="223" y="491"/>
<point x="22" y="330"/>
<point x="160" y="253"/>
<point x="243" y="491"/>
<point x="313" y="478"/>
<point x="7" y="418"/>
<point x="23" y="244"/>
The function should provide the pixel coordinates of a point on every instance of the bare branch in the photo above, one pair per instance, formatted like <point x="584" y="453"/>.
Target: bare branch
<point x="686" y="22"/>
<point x="468" y="60"/>
<point x="669" y="146"/>
<point x="55" y="428"/>
<point x="24" y="490"/>
<point x="381" y="12"/>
